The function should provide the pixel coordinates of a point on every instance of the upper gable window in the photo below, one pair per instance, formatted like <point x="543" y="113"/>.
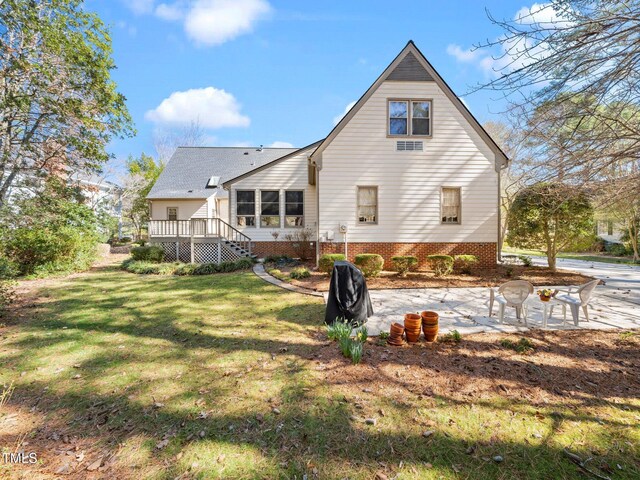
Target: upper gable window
<point x="410" y="118"/>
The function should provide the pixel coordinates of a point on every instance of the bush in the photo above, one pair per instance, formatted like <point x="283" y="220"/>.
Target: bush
<point x="143" y="267"/>
<point x="403" y="265"/>
<point x="151" y="253"/>
<point x="151" y="268"/>
<point x="301" y="242"/>
<point x="300" y="272"/>
<point x="370" y="263"/>
<point x="189" y="269"/>
<point x="441" y="264"/>
<point x="618" y="249"/>
<point x="8" y="269"/>
<point x="274" y="272"/>
<point x="125" y="239"/>
<point x="526" y="260"/>
<point x="464" y="263"/>
<point x="277" y="259"/>
<point x="327" y="260"/>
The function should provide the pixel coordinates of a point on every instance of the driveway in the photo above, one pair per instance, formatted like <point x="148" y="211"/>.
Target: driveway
<point x="615" y="305"/>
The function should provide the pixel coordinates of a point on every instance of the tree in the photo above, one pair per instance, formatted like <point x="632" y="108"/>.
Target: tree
<point x="552" y="217"/>
<point x="627" y="212"/>
<point x="142" y="174"/>
<point x="59" y="106"/>
<point x="166" y="141"/>
<point x="571" y="58"/>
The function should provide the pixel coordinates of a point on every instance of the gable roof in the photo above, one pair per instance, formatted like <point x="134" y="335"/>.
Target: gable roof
<point x="190" y="168"/>
<point x="270" y="164"/>
<point x="411" y="65"/>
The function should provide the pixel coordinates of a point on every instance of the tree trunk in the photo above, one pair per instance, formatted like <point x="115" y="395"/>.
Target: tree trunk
<point x="551" y="260"/>
<point x="633" y="238"/>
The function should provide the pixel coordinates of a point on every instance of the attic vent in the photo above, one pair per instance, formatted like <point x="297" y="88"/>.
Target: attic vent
<point x="408" y="145"/>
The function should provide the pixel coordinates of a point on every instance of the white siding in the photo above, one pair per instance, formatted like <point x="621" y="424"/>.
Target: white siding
<point x="289" y="174"/>
<point x="409" y="183"/>
<point x="186" y="209"/>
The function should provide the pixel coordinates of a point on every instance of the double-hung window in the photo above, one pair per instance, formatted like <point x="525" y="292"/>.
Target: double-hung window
<point x="410" y="118"/>
<point x="172" y="213"/>
<point x="270" y="208"/>
<point x="246" y="208"/>
<point x="450" y="205"/>
<point x="294" y="208"/>
<point x="367" y="205"/>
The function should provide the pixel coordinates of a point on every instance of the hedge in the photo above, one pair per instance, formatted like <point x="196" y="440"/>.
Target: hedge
<point x="175" y="268"/>
<point x="327" y="260"/>
<point x="402" y="264"/>
<point x="152" y="253"/>
<point x="370" y="263"/>
<point x="441" y="264"/>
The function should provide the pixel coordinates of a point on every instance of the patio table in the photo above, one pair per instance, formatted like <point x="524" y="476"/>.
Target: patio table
<point x="546" y="308"/>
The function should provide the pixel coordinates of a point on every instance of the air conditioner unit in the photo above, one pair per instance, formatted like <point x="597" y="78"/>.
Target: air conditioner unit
<point x="344" y="228"/>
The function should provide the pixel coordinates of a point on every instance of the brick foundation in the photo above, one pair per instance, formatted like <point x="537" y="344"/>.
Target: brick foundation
<point x="262" y="249"/>
<point x="486" y="252"/>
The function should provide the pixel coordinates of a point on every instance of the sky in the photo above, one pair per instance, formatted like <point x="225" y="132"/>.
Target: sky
<point x="283" y="72"/>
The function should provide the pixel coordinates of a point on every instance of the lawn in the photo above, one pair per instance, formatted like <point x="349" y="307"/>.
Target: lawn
<point x="587" y="257"/>
<point x="125" y="376"/>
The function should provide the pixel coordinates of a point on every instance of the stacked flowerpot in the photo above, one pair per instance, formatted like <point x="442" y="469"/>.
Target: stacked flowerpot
<point x="412" y="324"/>
<point x="395" y="335"/>
<point x="430" y="325"/>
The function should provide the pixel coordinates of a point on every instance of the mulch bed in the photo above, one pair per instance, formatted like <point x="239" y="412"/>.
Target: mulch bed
<point x="538" y="276"/>
<point x="584" y="366"/>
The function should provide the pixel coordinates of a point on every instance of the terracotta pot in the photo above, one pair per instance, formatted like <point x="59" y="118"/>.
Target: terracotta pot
<point x="430" y="333"/>
<point x="396" y="328"/>
<point x="544" y="298"/>
<point x="412" y="336"/>
<point x="411" y="317"/>
<point x="429" y="318"/>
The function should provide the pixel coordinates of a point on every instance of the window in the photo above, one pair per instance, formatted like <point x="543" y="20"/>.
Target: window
<point x="172" y="213"/>
<point x="294" y="208"/>
<point x="398" y="116"/>
<point x="367" y="204"/>
<point x="270" y="208"/>
<point x="410" y="117"/>
<point x="450" y="205"/>
<point x="246" y="208"/>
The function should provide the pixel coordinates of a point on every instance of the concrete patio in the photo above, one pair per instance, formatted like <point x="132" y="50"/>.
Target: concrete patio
<point x="615" y="305"/>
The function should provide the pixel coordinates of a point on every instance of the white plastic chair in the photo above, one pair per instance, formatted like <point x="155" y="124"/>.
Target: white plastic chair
<point x="576" y="297"/>
<point x="511" y="294"/>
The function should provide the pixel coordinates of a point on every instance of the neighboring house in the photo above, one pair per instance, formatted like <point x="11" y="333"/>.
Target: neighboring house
<point x="609" y="230"/>
<point x="407" y="171"/>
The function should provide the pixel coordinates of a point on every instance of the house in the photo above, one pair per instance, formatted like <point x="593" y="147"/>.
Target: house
<point x="407" y="171"/>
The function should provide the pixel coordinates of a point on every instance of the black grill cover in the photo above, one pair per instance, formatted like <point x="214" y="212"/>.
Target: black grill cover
<point x="348" y="295"/>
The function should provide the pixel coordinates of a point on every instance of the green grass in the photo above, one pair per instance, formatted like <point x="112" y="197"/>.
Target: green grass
<point x="573" y="256"/>
<point x="235" y="358"/>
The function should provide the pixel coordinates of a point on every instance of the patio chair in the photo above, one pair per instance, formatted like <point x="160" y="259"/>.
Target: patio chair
<point x="511" y="294"/>
<point x="576" y="297"/>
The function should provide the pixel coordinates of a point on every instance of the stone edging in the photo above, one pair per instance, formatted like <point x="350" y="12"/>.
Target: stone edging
<point x="259" y="270"/>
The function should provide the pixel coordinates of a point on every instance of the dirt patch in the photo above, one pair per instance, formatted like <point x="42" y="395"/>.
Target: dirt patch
<point x="538" y="276"/>
<point x="584" y="366"/>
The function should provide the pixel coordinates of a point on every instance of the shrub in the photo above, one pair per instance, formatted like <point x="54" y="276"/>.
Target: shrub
<point x="152" y="268"/>
<point x="299" y="273"/>
<point x="277" y="259"/>
<point x="301" y="242"/>
<point x="526" y="260"/>
<point x="206" y="269"/>
<point x="464" y="263"/>
<point x="187" y="269"/>
<point x="8" y="269"/>
<point x="125" y="239"/>
<point x="524" y="345"/>
<point x="274" y="272"/>
<point x="143" y="267"/>
<point x="441" y="264"/>
<point x="617" y="249"/>
<point x="370" y="263"/>
<point x="451" y="337"/>
<point x="327" y="260"/>
<point x="151" y="253"/>
<point x="403" y="265"/>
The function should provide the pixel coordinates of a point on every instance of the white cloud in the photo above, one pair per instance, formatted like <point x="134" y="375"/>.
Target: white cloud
<point x="140" y="6"/>
<point x="171" y="13"/>
<point x="210" y="107"/>
<point x="337" y="118"/>
<point x="541" y="13"/>
<point x="213" y="22"/>
<point x="463" y="55"/>
<point x="279" y="144"/>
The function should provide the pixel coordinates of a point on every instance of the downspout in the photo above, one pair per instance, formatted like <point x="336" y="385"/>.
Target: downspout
<point x="317" y="175"/>
<point x="499" y="231"/>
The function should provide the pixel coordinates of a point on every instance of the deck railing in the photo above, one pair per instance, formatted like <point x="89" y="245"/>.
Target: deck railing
<point x="199" y="227"/>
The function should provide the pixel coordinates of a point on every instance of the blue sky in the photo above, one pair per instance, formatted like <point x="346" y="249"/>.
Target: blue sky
<point x="263" y="71"/>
